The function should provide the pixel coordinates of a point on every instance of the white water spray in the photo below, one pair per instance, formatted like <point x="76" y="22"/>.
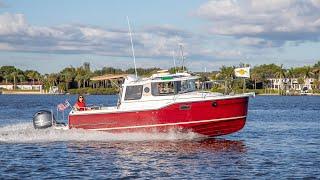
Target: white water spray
<point x="25" y="133"/>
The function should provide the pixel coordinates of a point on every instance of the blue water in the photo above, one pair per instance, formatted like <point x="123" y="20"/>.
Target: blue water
<point x="281" y="140"/>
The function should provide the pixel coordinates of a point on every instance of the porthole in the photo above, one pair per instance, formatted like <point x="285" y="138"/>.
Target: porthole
<point x="146" y="90"/>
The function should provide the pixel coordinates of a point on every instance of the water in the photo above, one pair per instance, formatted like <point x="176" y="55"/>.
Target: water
<point x="280" y="140"/>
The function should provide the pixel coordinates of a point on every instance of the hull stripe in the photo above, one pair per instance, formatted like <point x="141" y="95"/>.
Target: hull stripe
<point x="169" y="124"/>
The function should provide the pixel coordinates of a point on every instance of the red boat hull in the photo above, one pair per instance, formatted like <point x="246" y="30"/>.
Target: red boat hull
<point x="210" y="118"/>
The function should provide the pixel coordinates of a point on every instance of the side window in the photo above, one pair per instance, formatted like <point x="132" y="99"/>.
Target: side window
<point x="162" y="88"/>
<point x="186" y="86"/>
<point x="133" y="92"/>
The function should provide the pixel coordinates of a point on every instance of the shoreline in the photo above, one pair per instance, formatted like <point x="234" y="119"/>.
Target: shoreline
<point x="315" y="94"/>
<point x="42" y="93"/>
<point x="22" y="92"/>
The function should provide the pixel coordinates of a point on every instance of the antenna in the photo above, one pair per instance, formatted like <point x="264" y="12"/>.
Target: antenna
<point x="182" y="57"/>
<point x="134" y="57"/>
<point x="174" y="62"/>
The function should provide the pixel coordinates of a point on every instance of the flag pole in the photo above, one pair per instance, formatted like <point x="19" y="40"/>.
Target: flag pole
<point x="244" y="85"/>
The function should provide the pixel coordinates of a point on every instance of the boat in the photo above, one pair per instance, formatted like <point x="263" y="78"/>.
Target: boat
<point x="164" y="102"/>
<point x="160" y="103"/>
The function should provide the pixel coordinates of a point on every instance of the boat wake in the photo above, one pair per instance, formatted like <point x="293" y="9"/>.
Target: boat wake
<point x="25" y="133"/>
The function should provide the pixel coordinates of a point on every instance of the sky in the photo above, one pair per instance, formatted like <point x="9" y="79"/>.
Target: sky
<point x="49" y="35"/>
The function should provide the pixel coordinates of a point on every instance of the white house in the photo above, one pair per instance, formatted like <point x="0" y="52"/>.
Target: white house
<point x="23" y="86"/>
<point x="291" y="83"/>
<point x="6" y="86"/>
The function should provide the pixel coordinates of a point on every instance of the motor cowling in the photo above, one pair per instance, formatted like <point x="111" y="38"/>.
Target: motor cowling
<point x="43" y="119"/>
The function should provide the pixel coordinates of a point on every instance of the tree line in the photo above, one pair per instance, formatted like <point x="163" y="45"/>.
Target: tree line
<point x="79" y="77"/>
<point x="67" y="78"/>
<point x="260" y="75"/>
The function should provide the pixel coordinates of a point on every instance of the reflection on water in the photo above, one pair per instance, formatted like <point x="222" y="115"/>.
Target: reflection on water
<point x="162" y="158"/>
<point x="179" y="146"/>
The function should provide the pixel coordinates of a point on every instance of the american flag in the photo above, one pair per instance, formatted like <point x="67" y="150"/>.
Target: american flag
<point x="63" y="106"/>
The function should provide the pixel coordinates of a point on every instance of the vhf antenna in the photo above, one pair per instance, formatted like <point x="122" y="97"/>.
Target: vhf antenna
<point x="134" y="57"/>
<point x="182" y="57"/>
<point x="174" y="62"/>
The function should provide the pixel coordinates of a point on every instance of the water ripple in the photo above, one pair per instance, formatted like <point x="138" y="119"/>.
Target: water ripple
<point x="279" y="141"/>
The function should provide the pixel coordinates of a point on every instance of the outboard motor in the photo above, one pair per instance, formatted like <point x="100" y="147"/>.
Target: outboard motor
<point x="43" y="119"/>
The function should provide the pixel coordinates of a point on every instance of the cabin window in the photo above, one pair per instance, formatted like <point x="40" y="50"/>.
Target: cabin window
<point x="172" y="87"/>
<point x="162" y="88"/>
<point x="133" y="92"/>
<point x="186" y="86"/>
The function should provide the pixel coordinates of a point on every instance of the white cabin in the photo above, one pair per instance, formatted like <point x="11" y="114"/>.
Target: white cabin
<point x="158" y="90"/>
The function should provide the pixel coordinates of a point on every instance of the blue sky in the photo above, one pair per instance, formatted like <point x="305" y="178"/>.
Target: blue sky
<point x="48" y="35"/>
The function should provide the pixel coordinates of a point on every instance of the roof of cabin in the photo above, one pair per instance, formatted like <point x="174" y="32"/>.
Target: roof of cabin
<point x="159" y="77"/>
<point x="108" y="77"/>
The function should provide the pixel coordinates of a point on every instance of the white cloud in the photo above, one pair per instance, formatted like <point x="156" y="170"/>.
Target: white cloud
<point x="12" y="24"/>
<point x="255" y="42"/>
<point x="20" y="36"/>
<point x="16" y="34"/>
<point x="276" y="20"/>
<point x="222" y="54"/>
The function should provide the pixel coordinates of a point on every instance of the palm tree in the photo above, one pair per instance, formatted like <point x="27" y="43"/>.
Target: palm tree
<point x="79" y="76"/>
<point x="53" y="79"/>
<point x="307" y="72"/>
<point x="14" y="76"/>
<point x="86" y="79"/>
<point x="7" y="72"/>
<point x="7" y="77"/>
<point x="291" y="74"/>
<point x="21" y="77"/>
<point x="316" y="70"/>
<point x="68" y="79"/>
<point x="227" y="74"/>
<point x="316" y="84"/>
<point x="255" y="76"/>
<point x="79" y="79"/>
<point x="281" y="74"/>
<point x="316" y="73"/>
<point x="68" y="74"/>
<point x="32" y="75"/>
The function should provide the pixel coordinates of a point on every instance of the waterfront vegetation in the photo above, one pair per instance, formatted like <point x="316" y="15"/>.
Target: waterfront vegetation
<point x="76" y="80"/>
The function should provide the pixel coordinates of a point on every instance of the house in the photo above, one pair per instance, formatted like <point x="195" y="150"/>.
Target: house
<point x="291" y="84"/>
<point x="37" y="86"/>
